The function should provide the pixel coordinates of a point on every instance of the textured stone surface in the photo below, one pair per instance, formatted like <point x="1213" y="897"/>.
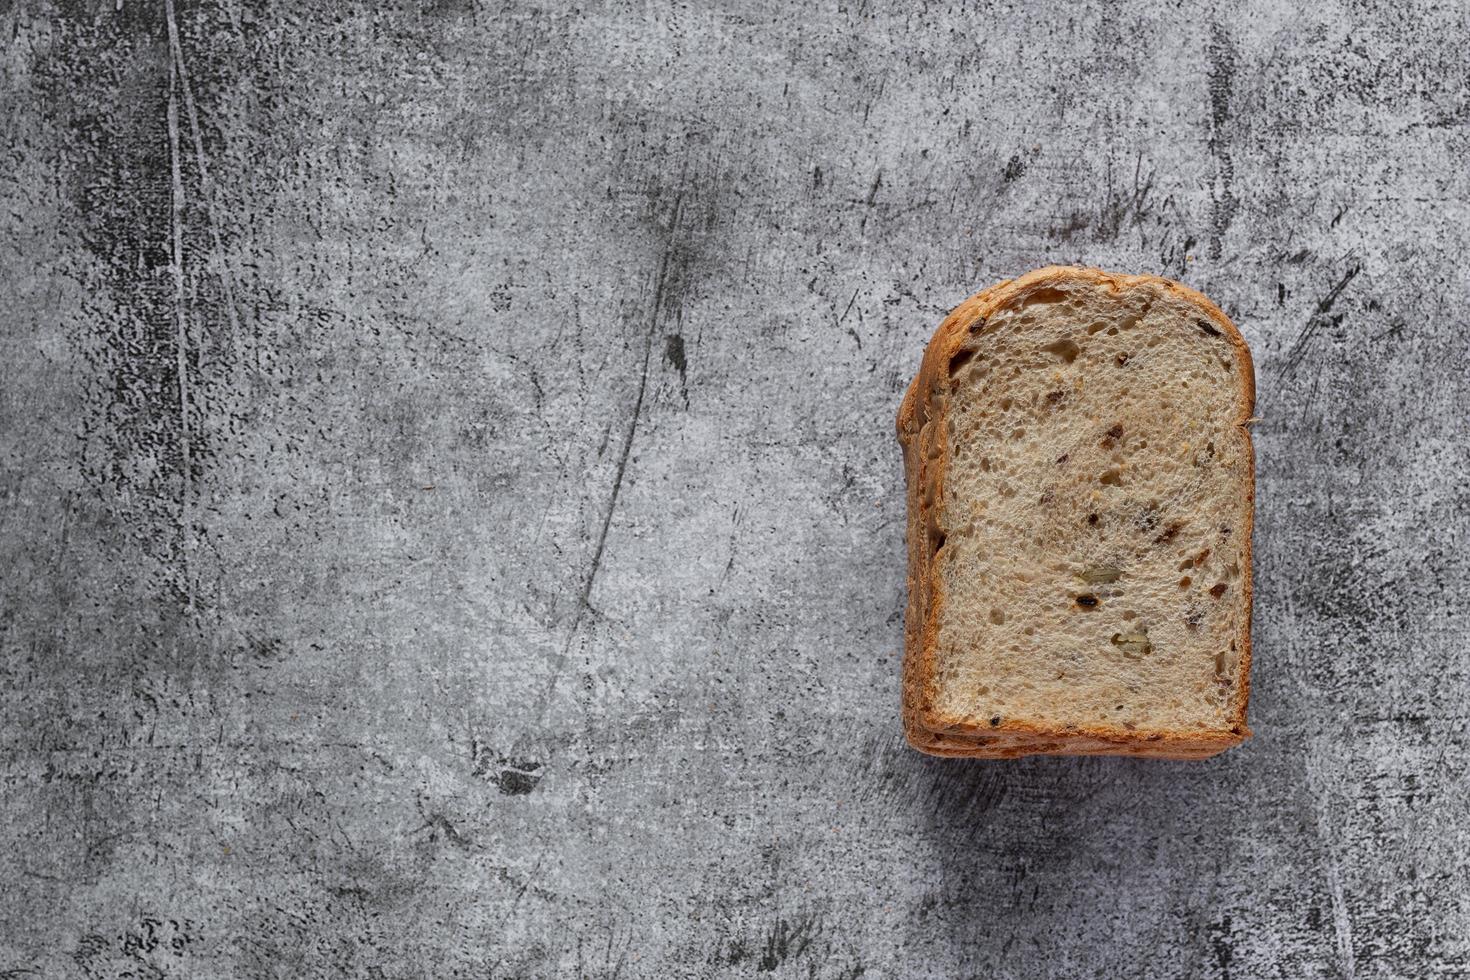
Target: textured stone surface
<point x="452" y="524"/>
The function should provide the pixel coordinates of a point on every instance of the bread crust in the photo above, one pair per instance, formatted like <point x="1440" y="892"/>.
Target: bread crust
<point x="926" y="457"/>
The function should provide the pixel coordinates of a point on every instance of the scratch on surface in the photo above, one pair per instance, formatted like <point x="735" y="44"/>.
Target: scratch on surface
<point x="181" y="329"/>
<point x="226" y="277"/>
<point x="584" y="600"/>
<point x="1314" y="322"/>
<point x="521" y="892"/>
<point x="435" y="820"/>
<point x="1341" y="923"/>
<point x="853" y="333"/>
<point x="873" y="191"/>
<point x="734" y="531"/>
<point x="438" y="821"/>
<point x="872" y="195"/>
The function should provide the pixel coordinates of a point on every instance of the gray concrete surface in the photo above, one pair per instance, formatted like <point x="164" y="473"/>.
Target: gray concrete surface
<point x="452" y="524"/>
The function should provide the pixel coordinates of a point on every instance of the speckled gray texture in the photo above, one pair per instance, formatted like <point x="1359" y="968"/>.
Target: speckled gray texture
<point x="452" y="524"/>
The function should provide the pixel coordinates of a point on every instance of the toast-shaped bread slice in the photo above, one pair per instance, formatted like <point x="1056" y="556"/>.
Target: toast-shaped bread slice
<point x="1081" y="485"/>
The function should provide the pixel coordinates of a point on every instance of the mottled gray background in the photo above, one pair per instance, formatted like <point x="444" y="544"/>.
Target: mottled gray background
<point x="452" y="523"/>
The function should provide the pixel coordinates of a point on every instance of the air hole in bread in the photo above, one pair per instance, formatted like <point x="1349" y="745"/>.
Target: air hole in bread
<point x="962" y="357"/>
<point x="1041" y="297"/>
<point x="1111" y="478"/>
<point x="1065" y="350"/>
<point x="998" y="617"/>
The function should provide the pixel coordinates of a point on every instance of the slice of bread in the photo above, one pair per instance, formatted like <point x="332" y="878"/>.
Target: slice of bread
<point x="1081" y="485"/>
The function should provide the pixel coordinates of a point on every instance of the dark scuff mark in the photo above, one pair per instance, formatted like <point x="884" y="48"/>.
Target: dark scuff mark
<point x="511" y="775"/>
<point x="1185" y="255"/>
<point x="1319" y="316"/>
<point x="1221" y="81"/>
<point x="266" y="651"/>
<point x="1126" y="209"/>
<point x="1220" y="946"/>
<point x="131" y="88"/>
<point x="154" y="946"/>
<point x="1015" y="169"/>
<point x="1121" y="208"/>
<point x="674" y="355"/>
<point x="438" y="823"/>
<point x="735" y="952"/>
<point x="1069" y="228"/>
<point x="514" y="783"/>
<point x="1395" y="330"/>
<point x="1357" y="609"/>
<point x="449" y="8"/>
<point x="961" y="796"/>
<point x="785" y="941"/>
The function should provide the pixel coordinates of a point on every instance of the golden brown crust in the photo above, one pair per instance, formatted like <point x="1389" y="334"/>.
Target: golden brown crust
<point x="926" y="457"/>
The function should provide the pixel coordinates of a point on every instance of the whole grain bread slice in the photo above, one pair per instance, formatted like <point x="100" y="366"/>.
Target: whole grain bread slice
<point x="1081" y="485"/>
